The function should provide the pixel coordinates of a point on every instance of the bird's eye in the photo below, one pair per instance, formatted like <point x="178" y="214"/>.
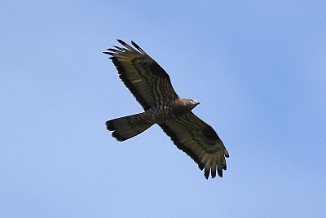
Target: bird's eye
<point x="192" y="101"/>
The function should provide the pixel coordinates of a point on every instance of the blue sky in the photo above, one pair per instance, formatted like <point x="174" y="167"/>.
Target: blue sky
<point x="257" y="67"/>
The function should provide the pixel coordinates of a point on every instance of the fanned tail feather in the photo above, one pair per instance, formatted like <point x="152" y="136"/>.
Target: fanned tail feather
<point x="127" y="127"/>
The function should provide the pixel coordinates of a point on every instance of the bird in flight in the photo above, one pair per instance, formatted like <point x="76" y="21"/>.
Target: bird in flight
<point x="152" y="88"/>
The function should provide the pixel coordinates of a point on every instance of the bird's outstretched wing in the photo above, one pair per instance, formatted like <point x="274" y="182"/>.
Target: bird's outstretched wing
<point x="199" y="140"/>
<point x="145" y="78"/>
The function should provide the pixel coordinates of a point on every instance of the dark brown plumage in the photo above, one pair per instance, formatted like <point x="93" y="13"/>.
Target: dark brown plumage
<point x="152" y="88"/>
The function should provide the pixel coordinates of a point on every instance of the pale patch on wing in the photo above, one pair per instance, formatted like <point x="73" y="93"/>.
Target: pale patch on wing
<point x="137" y="81"/>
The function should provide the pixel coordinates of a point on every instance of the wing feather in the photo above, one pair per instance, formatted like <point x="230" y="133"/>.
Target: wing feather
<point x="142" y="75"/>
<point x="199" y="140"/>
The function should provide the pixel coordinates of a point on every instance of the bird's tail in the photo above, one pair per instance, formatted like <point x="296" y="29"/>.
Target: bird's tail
<point x="128" y="126"/>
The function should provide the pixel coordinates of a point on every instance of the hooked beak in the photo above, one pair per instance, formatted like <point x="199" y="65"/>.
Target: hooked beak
<point x="196" y="102"/>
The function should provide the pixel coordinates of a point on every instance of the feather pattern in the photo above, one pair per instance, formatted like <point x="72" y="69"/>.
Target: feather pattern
<point x="195" y="137"/>
<point x="143" y="76"/>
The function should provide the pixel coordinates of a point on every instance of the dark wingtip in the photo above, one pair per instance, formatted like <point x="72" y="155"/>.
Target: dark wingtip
<point x="213" y="173"/>
<point x="201" y="166"/>
<point x="112" y="49"/>
<point x="119" y="48"/>
<point x="220" y="172"/>
<point x="121" y="42"/>
<point x="107" y="52"/>
<point x="206" y="174"/>
<point x="134" y="44"/>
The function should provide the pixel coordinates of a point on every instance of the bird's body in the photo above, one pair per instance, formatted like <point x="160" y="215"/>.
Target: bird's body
<point x="170" y="110"/>
<point x="165" y="112"/>
<point x="152" y="88"/>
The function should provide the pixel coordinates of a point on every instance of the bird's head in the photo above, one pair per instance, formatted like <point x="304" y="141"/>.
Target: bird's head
<point x="191" y="103"/>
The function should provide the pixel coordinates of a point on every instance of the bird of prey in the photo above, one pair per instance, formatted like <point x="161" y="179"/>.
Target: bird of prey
<point x="152" y="88"/>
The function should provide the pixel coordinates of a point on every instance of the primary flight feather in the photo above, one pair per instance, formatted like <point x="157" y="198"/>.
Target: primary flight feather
<point x="152" y="88"/>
